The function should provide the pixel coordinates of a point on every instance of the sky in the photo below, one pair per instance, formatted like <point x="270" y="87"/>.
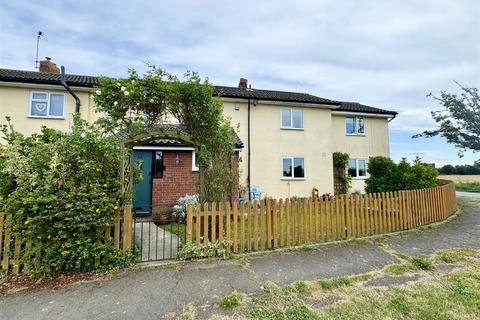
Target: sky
<point x="387" y="54"/>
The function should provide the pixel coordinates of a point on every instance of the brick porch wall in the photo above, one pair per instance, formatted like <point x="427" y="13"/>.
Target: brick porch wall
<point x="179" y="180"/>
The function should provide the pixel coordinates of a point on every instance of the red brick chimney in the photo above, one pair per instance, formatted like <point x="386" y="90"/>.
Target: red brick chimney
<point x="48" y="66"/>
<point x="243" y="83"/>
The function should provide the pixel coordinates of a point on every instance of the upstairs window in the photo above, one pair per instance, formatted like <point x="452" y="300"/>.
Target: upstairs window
<point x="355" y="125"/>
<point x="48" y="105"/>
<point x="357" y="168"/>
<point x="293" y="168"/>
<point x="291" y="118"/>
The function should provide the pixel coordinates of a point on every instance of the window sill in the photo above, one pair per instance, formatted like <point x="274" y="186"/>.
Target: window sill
<point x="355" y="134"/>
<point x="293" y="179"/>
<point x="294" y="129"/>
<point x="46" y="117"/>
<point x="359" y="178"/>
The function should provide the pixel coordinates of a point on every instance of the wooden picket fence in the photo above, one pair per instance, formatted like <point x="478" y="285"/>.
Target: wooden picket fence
<point x="270" y="224"/>
<point x="12" y="249"/>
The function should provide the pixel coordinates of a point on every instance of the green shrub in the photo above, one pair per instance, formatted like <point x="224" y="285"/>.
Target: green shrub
<point x="62" y="190"/>
<point x="342" y="179"/>
<point x="387" y="176"/>
<point x="232" y="300"/>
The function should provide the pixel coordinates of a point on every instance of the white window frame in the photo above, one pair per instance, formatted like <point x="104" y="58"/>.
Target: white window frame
<point x="356" y="133"/>
<point x="293" y="171"/>
<point x="48" y="105"/>
<point x="194" y="157"/>
<point x="291" y="119"/>
<point x="359" y="177"/>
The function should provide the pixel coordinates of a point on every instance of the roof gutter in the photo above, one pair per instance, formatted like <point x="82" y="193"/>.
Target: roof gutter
<point x="394" y="116"/>
<point x="65" y="85"/>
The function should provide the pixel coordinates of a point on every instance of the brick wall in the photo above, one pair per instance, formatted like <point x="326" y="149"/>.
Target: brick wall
<point x="179" y="180"/>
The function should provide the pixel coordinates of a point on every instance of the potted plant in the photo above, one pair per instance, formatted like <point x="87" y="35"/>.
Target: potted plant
<point x="162" y="215"/>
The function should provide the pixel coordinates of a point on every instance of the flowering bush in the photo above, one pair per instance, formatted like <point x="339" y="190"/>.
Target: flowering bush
<point x="138" y="105"/>
<point x="61" y="191"/>
<point x="180" y="209"/>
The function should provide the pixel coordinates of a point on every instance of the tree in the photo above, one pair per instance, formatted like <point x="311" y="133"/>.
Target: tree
<point x="459" y="119"/>
<point x="387" y="176"/>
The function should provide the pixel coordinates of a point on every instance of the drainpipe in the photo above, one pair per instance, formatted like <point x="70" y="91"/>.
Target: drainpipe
<point x="65" y="85"/>
<point x="248" y="149"/>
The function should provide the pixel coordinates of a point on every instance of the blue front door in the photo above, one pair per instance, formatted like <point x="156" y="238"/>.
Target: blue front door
<point x="142" y="201"/>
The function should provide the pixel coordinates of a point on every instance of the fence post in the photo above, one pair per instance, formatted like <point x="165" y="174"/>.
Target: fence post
<point x="127" y="228"/>
<point x="189" y="223"/>
<point x="198" y="224"/>
<point x="221" y="214"/>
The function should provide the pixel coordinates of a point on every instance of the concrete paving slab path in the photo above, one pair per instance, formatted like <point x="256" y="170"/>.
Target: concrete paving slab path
<point x="151" y="293"/>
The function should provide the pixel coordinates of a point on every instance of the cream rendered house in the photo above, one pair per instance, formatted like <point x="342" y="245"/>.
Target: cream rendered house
<point x="285" y="130"/>
<point x="286" y="138"/>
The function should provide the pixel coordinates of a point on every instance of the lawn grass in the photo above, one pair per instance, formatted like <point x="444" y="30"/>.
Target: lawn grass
<point x="412" y="263"/>
<point x="178" y="229"/>
<point x="453" y="255"/>
<point x="468" y="186"/>
<point x="399" y="268"/>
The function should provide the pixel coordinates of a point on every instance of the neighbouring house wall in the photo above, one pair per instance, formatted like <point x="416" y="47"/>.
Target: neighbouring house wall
<point x="14" y="102"/>
<point x="269" y="143"/>
<point x="375" y="142"/>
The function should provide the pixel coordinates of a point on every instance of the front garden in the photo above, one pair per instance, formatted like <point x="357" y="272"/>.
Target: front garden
<point x="64" y="197"/>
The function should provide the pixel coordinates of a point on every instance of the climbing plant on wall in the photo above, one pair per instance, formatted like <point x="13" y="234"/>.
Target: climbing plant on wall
<point x="341" y="178"/>
<point x="140" y="107"/>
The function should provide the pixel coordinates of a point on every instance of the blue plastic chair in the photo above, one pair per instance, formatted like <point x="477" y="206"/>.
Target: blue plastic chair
<point x="255" y="193"/>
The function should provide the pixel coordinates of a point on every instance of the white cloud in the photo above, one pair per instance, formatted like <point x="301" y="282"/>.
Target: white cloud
<point x="388" y="54"/>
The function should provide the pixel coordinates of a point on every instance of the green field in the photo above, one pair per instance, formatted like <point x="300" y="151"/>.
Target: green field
<point x="468" y="186"/>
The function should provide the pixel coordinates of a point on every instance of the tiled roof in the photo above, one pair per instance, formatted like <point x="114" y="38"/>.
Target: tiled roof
<point x="10" y="75"/>
<point x="174" y="128"/>
<point x="357" y="107"/>
<point x="235" y="92"/>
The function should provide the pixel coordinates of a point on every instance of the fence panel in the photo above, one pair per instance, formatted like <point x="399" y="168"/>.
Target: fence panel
<point x="270" y="224"/>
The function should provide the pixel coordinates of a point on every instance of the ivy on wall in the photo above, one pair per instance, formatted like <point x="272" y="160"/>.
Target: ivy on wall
<point x="342" y="179"/>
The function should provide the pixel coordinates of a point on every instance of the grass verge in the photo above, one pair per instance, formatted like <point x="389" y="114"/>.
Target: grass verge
<point x="437" y="295"/>
<point x="468" y="186"/>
